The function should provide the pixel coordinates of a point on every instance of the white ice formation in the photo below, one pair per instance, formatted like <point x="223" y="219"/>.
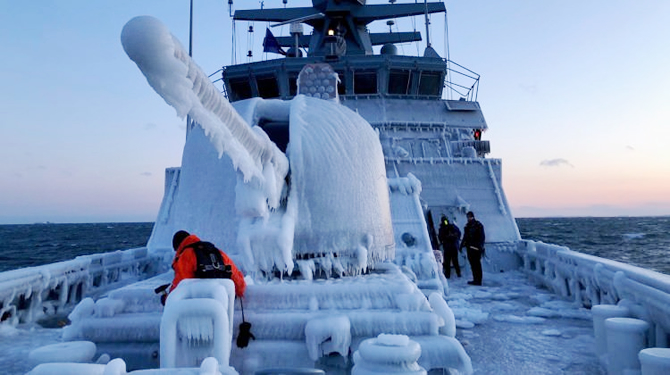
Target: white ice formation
<point x="337" y="206"/>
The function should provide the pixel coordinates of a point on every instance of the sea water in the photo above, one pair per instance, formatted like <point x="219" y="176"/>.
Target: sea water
<point x="28" y="245"/>
<point x="640" y="241"/>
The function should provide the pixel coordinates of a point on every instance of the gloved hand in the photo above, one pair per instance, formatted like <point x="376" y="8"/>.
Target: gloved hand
<point x="163" y="291"/>
<point x="244" y="335"/>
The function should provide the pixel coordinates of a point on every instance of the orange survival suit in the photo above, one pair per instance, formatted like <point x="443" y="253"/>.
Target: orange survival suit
<point x="185" y="264"/>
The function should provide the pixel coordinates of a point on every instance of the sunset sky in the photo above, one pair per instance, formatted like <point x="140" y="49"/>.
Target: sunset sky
<point x="576" y="96"/>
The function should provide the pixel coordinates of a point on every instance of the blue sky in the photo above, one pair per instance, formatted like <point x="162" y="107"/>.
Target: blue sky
<point x="575" y="95"/>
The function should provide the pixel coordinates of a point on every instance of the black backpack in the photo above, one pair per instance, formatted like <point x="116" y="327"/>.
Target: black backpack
<point x="210" y="262"/>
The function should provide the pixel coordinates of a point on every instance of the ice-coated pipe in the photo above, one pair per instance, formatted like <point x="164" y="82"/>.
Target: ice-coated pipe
<point x="172" y="73"/>
<point x="599" y="314"/>
<point x="655" y="361"/>
<point x="625" y="338"/>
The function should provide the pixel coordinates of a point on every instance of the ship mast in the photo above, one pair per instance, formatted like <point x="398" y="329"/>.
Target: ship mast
<point x="425" y="2"/>
<point x="347" y="19"/>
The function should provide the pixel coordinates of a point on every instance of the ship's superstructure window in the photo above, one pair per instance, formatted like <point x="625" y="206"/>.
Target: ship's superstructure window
<point x="240" y="88"/>
<point x="267" y="87"/>
<point x="430" y="83"/>
<point x="365" y="82"/>
<point x="400" y="82"/>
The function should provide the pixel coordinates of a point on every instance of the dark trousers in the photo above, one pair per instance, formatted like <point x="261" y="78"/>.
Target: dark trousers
<point x="450" y="256"/>
<point x="475" y="259"/>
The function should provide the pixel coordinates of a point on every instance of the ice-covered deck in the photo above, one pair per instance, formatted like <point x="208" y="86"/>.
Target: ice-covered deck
<point x="516" y="328"/>
<point x="290" y="320"/>
<point x="520" y="329"/>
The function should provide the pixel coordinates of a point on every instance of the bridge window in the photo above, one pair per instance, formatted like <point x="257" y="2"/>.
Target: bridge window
<point x="240" y="88"/>
<point x="267" y="87"/>
<point x="365" y="82"/>
<point x="430" y="83"/>
<point x="400" y="82"/>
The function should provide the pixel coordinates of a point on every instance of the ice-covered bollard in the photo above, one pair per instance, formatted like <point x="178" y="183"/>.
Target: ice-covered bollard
<point x="655" y="361"/>
<point x="600" y="313"/>
<point x="197" y="323"/>
<point x="625" y="338"/>
<point x="388" y="354"/>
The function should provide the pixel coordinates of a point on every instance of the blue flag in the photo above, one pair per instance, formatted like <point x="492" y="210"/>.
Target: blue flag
<point x="270" y="43"/>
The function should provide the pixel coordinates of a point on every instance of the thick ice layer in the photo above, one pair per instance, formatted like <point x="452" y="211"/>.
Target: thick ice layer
<point x="441" y="308"/>
<point x="338" y="190"/>
<point x="183" y="85"/>
<point x="414" y="251"/>
<point x="73" y="351"/>
<point x="335" y="158"/>
<point x="328" y="335"/>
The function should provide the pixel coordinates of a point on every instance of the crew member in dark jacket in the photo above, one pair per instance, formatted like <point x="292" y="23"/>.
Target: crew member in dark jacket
<point x="450" y="237"/>
<point x="473" y="241"/>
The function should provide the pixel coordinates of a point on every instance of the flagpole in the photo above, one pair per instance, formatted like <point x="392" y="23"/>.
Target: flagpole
<point x="190" y="54"/>
<point x="190" y="31"/>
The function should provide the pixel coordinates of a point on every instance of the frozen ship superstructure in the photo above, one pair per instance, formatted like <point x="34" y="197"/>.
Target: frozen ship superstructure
<point x="336" y="252"/>
<point x="335" y="257"/>
<point x="437" y="140"/>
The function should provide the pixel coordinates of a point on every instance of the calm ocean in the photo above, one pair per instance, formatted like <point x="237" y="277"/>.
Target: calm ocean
<point x="641" y="241"/>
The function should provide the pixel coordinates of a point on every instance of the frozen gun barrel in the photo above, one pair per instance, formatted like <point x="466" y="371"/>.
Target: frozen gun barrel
<point x="172" y="73"/>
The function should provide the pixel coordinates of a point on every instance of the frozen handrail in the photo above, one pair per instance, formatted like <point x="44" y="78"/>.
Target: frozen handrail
<point x="592" y="280"/>
<point x="27" y="294"/>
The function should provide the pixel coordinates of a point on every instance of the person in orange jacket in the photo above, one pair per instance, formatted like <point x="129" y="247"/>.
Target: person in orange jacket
<point x="185" y="262"/>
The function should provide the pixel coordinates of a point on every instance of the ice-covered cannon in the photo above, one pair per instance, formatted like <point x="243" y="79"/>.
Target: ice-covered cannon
<point x="323" y="205"/>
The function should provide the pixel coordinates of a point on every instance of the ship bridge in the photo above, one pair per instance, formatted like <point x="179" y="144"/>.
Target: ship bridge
<point x="379" y="75"/>
<point x="340" y="37"/>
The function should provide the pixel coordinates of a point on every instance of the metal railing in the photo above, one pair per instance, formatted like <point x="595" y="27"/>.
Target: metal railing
<point x="462" y="81"/>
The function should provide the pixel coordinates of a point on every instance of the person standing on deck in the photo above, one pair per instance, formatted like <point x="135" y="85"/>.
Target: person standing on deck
<point x="473" y="241"/>
<point x="449" y="236"/>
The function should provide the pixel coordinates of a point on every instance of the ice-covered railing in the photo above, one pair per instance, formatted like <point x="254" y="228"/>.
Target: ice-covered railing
<point x="29" y="294"/>
<point x="591" y="280"/>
